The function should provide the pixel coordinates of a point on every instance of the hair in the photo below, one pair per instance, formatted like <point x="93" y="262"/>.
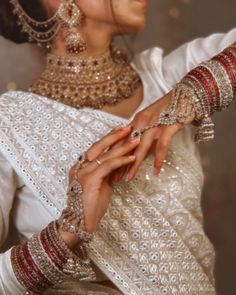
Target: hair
<point x="9" y="27"/>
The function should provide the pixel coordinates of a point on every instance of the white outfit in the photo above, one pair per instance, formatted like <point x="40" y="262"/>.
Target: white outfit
<point x="151" y="240"/>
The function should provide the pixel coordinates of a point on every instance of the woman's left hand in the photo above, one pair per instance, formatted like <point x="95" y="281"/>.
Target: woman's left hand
<point x="158" y="138"/>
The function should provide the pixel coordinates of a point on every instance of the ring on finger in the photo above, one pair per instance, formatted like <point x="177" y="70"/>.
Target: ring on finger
<point x="137" y="133"/>
<point x="98" y="162"/>
<point x="106" y="150"/>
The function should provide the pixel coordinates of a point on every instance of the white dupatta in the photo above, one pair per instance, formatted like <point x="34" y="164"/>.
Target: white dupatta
<point x="151" y="240"/>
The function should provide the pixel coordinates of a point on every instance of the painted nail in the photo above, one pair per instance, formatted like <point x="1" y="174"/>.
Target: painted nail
<point x="132" y="157"/>
<point x="127" y="178"/>
<point x="155" y="171"/>
<point x="119" y="127"/>
<point x="124" y="128"/>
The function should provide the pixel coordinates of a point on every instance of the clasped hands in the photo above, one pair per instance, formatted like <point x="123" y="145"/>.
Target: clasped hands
<point x="118" y="156"/>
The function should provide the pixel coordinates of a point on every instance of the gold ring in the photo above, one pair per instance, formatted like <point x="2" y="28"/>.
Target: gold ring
<point x="98" y="162"/>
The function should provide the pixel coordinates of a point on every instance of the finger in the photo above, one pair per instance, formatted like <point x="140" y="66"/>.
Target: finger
<point x="111" y="165"/>
<point x="143" y="118"/>
<point x="110" y="139"/>
<point x="120" y="142"/>
<point x="120" y="173"/>
<point x="124" y="149"/>
<point x="161" y="152"/>
<point x="142" y="151"/>
<point x="110" y="155"/>
<point x="162" y="146"/>
<point x="139" y="121"/>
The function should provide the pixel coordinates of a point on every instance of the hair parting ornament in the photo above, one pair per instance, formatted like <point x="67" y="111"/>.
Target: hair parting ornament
<point x="68" y="16"/>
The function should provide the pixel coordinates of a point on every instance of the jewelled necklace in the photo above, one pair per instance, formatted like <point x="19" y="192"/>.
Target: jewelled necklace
<point x="87" y="82"/>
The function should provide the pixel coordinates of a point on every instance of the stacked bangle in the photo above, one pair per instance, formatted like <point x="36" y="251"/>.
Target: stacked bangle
<point x="45" y="260"/>
<point x="208" y="88"/>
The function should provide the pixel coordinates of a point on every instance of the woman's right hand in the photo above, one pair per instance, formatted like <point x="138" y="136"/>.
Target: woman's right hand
<point x="95" y="178"/>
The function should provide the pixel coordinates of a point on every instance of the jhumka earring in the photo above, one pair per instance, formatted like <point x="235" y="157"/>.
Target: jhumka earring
<point x="72" y="17"/>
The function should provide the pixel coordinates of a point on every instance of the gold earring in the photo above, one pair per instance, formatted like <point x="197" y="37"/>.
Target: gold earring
<point x="71" y="16"/>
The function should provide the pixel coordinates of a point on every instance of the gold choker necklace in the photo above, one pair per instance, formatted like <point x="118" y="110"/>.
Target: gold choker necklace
<point x="87" y="82"/>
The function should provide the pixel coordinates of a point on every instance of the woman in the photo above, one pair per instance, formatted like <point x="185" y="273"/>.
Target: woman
<point x="150" y="241"/>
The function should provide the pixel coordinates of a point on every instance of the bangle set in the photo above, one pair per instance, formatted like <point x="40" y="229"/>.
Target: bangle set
<point x="208" y="88"/>
<point x="45" y="260"/>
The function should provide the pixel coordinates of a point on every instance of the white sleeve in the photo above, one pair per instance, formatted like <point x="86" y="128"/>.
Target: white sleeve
<point x="8" y="282"/>
<point x="182" y="60"/>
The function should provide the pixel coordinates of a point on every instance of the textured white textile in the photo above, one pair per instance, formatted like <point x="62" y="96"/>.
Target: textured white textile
<point x="27" y="214"/>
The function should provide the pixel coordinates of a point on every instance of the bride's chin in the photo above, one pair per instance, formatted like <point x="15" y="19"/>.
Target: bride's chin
<point x="139" y="25"/>
<point x="134" y="27"/>
<point x="143" y="3"/>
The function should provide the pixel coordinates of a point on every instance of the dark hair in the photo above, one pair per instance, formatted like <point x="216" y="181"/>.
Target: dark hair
<point x="8" y="21"/>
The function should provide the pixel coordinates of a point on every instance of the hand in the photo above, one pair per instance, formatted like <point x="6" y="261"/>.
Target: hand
<point x="158" y="138"/>
<point x="96" y="178"/>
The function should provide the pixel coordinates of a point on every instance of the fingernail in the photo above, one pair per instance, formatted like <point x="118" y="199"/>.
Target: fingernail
<point x="132" y="157"/>
<point x="124" y="128"/>
<point x="127" y="177"/>
<point x="120" y="127"/>
<point x="117" y="128"/>
<point x="155" y="171"/>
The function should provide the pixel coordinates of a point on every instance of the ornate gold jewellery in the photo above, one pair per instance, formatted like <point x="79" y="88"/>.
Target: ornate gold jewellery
<point x="87" y="82"/>
<point x="71" y="17"/>
<point x="78" y="82"/>
<point x="68" y="16"/>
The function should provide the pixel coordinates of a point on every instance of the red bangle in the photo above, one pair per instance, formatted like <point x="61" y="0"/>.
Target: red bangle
<point x="211" y="83"/>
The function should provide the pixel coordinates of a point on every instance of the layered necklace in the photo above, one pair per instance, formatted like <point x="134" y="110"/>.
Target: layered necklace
<point x="87" y="82"/>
